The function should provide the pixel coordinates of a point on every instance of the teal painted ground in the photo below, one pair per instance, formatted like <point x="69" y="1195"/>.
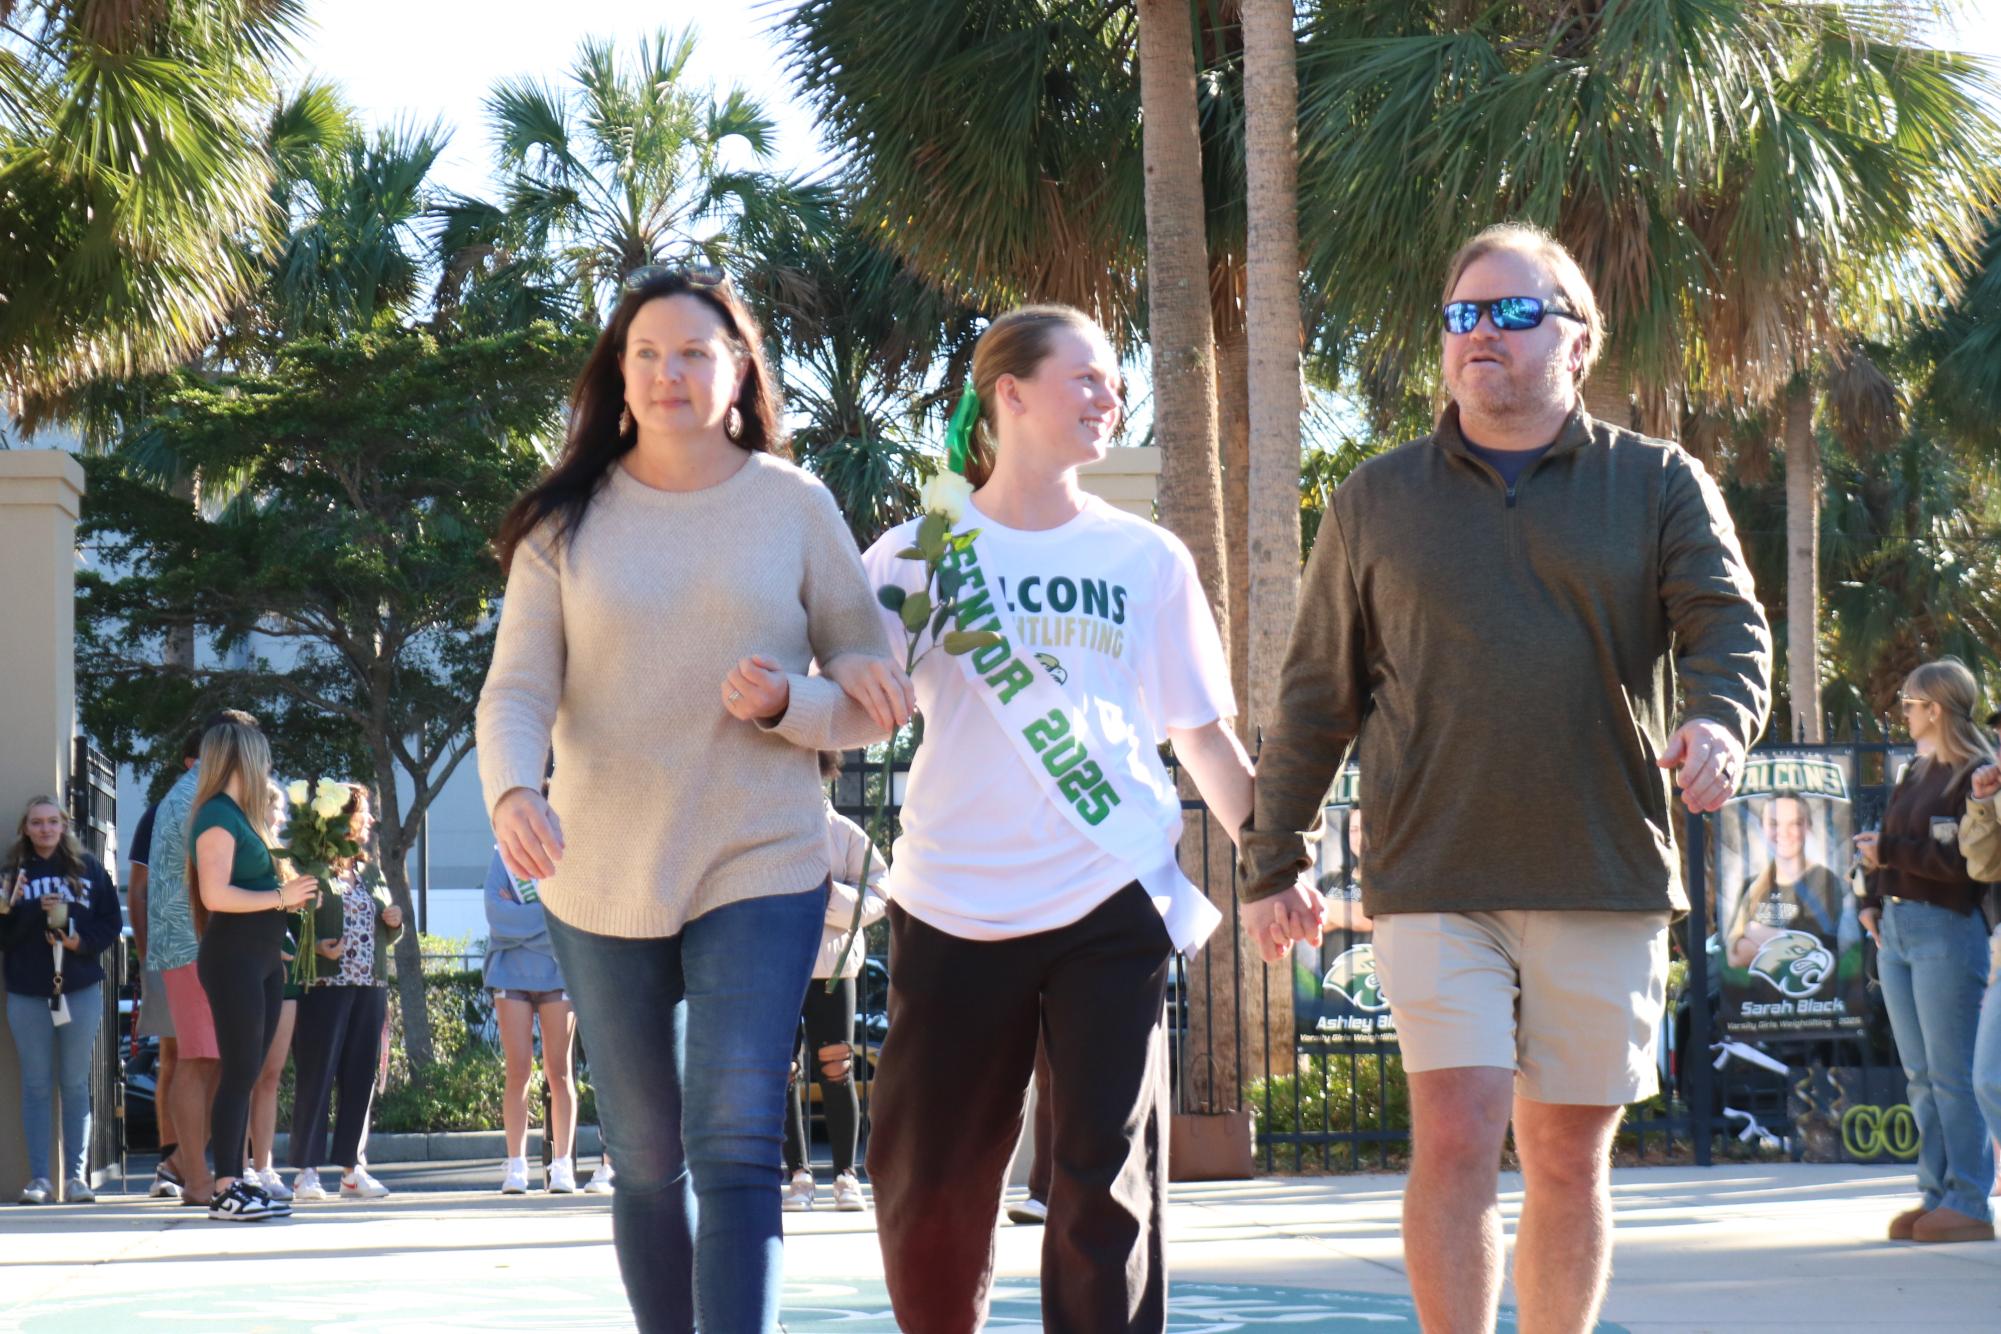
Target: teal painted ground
<point x="552" y="1302"/>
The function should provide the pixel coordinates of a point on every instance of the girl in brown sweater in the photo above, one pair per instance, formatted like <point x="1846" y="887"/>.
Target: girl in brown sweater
<point x="1923" y="908"/>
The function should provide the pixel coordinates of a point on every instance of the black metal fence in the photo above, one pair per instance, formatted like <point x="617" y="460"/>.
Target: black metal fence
<point x="93" y="812"/>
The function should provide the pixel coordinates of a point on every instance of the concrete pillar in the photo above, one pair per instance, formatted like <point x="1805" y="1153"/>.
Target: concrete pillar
<point x="40" y="490"/>
<point x="1128" y="476"/>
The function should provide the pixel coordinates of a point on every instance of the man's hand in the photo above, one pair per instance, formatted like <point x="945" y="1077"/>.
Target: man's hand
<point x="1986" y="781"/>
<point x="880" y="686"/>
<point x="1708" y="761"/>
<point x="1276" y="921"/>
<point x="756" y="690"/>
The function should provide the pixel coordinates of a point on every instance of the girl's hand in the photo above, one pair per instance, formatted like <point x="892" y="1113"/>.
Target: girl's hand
<point x="879" y="685"/>
<point x="1986" y="781"/>
<point x="1868" y="917"/>
<point x="330" y="949"/>
<point x="1865" y="848"/>
<point x="297" y="892"/>
<point x="71" y="942"/>
<point x="756" y="690"/>
<point x="529" y="834"/>
<point x="392" y="917"/>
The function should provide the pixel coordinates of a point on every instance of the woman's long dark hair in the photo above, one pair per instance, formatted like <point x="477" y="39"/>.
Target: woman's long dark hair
<point x="594" y="441"/>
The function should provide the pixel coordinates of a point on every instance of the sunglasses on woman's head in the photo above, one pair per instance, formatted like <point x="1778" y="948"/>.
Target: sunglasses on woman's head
<point x="1509" y="313"/>
<point x="703" y="276"/>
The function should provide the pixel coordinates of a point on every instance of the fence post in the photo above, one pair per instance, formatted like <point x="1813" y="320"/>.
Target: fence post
<point x="1701" y="1123"/>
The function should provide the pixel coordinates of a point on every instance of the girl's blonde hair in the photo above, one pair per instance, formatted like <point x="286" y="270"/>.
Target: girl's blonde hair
<point x="1015" y="344"/>
<point x="1949" y="684"/>
<point x="68" y="855"/>
<point x="233" y="747"/>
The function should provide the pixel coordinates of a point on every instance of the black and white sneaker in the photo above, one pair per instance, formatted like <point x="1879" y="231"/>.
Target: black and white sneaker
<point x="279" y="1208"/>
<point x="241" y="1203"/>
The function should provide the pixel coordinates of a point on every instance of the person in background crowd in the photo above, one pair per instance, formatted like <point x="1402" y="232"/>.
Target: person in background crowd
<point x="341" y="1016"/>
<point x="827" y="1020"/>
<point x="60" y="915"/>
<point x="154" y="1019"/>
<point x="1980" y="840"/>
<point x="1923" y="909"/>
<point x="240" y="910"/>
<point x="527" y="986"/>
<point x="171" y="951"/>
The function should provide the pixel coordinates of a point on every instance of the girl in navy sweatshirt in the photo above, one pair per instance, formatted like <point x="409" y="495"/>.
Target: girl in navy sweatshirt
<point x="60" y="915"/>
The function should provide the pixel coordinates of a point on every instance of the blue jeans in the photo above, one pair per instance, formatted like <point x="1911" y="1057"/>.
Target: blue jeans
<point x="50" y="1055"/>
<point x="1987" y="1056"/>
<point x="1934" y="969"/>
<point x="690" y="1046"/>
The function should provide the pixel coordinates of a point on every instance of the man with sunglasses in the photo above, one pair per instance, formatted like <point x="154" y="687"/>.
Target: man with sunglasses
<point x="1499" y="613"/>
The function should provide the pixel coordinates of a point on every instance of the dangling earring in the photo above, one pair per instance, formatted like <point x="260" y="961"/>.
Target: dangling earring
<point x="624" y="422"/>
<point x="733" y="423"/>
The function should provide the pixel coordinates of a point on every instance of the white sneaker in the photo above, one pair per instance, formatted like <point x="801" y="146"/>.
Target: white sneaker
<point x="164" y="1187"/>
<point x="601" y="1180"/>
<point x="515" y="1182"/>
<point x="38" y="1191"/>
<point x="562" y="1179"/>
<point x="796" y="1195"/>
<point x="274" y="1185"/>
<point x="78" y="1191"/>
<point x="358" y="1185"/>
<point x="848" y="1194"/>
<point x="1030" y="1211"/>
<point x="306" y="1187"/>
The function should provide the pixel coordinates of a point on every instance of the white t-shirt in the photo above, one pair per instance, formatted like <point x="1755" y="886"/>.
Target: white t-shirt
<point x="1111" y="605"/>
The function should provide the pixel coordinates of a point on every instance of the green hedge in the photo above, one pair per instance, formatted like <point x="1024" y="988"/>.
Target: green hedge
<point x="1340" y="1092"/>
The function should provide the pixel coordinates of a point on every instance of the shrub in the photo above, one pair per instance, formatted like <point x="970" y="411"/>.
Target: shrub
<point x="1334" y="1092"/>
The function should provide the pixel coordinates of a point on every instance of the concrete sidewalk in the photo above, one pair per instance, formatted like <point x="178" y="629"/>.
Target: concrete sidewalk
<point x="1732" y="1249"/>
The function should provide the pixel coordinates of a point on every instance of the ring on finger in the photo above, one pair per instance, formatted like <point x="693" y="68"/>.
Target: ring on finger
<point x="734" y="695"/>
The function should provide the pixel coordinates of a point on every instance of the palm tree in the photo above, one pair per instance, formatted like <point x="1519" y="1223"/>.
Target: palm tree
<point x="621" y="168"/>
<point x="132" y="172"/>
<point x="859" y="338"/>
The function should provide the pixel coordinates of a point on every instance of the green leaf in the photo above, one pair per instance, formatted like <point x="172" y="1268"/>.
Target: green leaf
<point x="949" y="583"/>
<point x="945" y="611"/>
<point x="891" y="597"/>
<point x="916" y="611"/>
<point x="960" y="642"/>
<point x="910" y="553"/>
<point x="931" y="534"/>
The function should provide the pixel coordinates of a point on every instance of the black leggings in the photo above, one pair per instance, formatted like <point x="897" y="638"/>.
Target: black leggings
<point x="242" y="968"/>
<point x="826" y="1020"/>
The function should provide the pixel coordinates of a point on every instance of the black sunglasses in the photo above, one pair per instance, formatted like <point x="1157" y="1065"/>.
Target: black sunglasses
<point x="1509" y="313"/>
<point x="706" y="277"/>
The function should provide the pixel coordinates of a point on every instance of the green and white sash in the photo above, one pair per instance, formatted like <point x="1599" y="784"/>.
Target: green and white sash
<point x="1092" y="781"/>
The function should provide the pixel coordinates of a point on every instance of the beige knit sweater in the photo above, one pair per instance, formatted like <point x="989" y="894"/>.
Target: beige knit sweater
<point x="614" y="646"/>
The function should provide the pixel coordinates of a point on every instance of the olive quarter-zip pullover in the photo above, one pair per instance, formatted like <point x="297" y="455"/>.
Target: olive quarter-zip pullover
<point x="1508" y="656"/>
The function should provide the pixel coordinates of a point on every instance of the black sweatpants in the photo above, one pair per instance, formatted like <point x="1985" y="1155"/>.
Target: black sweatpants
<point x="964" y="1018"/>
<point x="242" y="969"/>
<point x="827" y="1019"/>
<point x="335" y="1046"/>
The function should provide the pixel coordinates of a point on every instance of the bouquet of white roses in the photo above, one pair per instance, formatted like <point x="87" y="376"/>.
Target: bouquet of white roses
<point x="316" y="834"/>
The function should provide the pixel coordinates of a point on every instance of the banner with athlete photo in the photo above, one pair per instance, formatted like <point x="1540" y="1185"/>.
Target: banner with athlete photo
<point x="1786" y="913"/>
<point x="1337" y="998"/>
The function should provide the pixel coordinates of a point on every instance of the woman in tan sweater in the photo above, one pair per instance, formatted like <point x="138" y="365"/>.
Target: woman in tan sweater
<point x="669" y="584"/>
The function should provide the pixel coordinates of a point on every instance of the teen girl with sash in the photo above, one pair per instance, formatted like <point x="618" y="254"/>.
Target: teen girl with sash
<point x="1035" y="890"/>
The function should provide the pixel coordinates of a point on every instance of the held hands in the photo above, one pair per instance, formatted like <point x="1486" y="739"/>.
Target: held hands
<point x="297" y="892"/>
<point x="1273" y="923"/>
<point x="530" y="835"/>
<point x="1708" y="761"/>
<point x="880" y="686"/>
<point x="1986" y="781"/>
<point x="756" y="690"/>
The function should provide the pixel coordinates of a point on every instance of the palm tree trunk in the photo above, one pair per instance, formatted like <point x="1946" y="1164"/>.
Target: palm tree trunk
<point x="1608" y="394"/>
<point x="1803" y="487"/>
<point x="1233" y="416"/>
<point x="1272" y="310"/>
<point x="1191" y="487"/>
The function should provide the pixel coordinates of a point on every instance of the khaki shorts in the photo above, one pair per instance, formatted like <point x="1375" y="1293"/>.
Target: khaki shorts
<point x="1570" y="1001"/>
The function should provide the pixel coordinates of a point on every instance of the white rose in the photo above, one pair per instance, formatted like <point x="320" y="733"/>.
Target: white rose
<point x="945" y="495"/>
<point x="329" y="790"/>
<point x="298" y="793"/>
<point x="327" y="805"/>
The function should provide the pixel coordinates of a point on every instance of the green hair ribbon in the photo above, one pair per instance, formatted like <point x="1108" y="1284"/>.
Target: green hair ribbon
<point x="959" y="435"/>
